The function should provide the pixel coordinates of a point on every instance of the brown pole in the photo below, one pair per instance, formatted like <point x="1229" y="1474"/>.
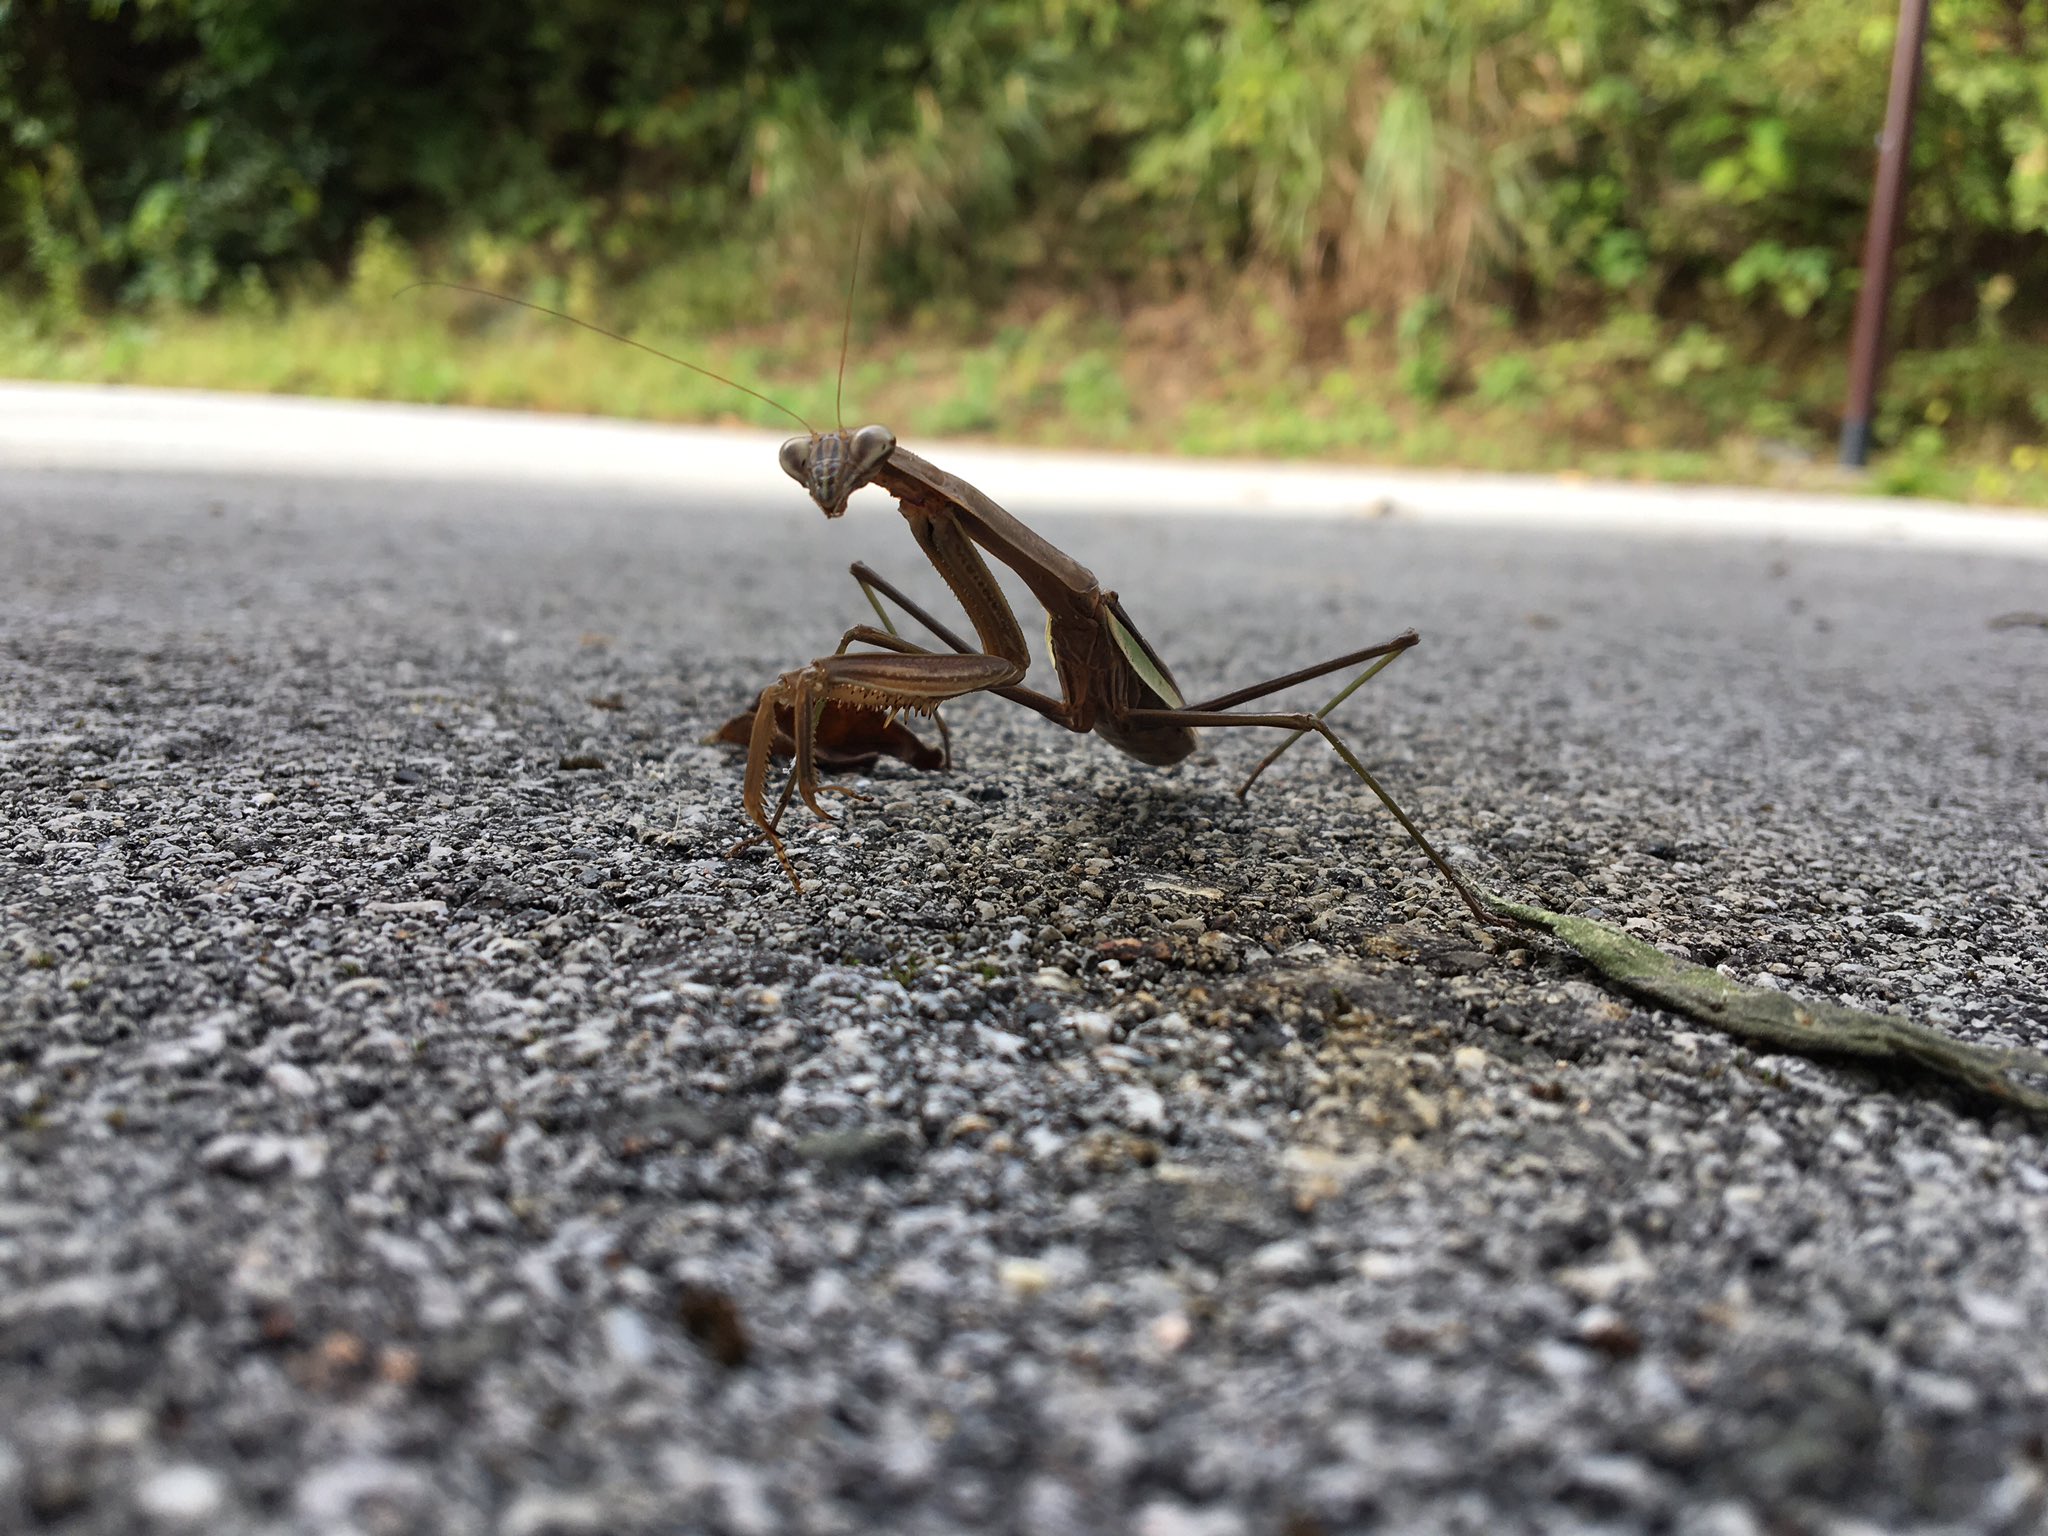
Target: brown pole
<point x="1887" y="203"/>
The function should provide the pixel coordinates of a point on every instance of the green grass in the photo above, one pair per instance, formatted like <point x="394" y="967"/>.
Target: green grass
<point x="1628" y="399"/>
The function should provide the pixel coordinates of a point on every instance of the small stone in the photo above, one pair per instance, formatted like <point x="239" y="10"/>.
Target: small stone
<point x="397" y="1365"/>
<point x="1383" y="1267"/>
<point x="1164" y="1517"/>
<point x="1000" y="1042"/>
<point x="747" y="1508"/>
<point x="1042" y="1142"/>
<point x="550" y="1512"/>
<point x="627" y="1337"/>
<point x="1143" y="1109"/>
<point x="182" y="1495"/>
<point x="1986" y="1310"/>
<point x="123" y="1429"/>
<point x="1944" y="1394"/>
<point x="1289" y="1259"/>
<point x="906" y="1455"/>
<point x="1725" y="1518"/>
<point x="1051" y="1508"/>
<point x="1599" y="1282"/>
<point x="260" y="1158"/>
<point x="1428" y="1111"/>
<point x="84" y="1295"/>
<point x="1170" y="1331"/>
<point x="881" y="1149"/>
<point x="1627" y="1481"/>
<point x="1024" y="1278"/>
<point x="294" y="1082"/>
<point x="1561" y="1362"/>
<point x="1094" y="1027"/>
<point x="193" y="1050"/>
<point x="1608" y="1331"/>
<point x="329" y="1497"/>
<point x="712" y="1318"/>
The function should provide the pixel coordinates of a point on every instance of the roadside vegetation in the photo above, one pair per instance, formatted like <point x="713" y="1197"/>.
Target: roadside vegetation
<point x="1576" y="235"/>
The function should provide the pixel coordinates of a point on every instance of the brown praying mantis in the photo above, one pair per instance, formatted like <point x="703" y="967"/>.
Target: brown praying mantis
<point x="1111" y="681"/>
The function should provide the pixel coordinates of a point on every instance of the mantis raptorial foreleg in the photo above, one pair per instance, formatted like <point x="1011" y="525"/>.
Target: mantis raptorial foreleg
<point x="873" y="582"/>
<point x="889" y="640"/>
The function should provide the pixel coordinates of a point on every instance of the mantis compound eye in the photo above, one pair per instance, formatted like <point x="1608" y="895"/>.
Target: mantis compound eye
<point x="796" y="460"/>
<point x="870" y="446"/>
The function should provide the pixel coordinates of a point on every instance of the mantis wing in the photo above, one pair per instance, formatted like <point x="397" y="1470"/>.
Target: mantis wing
<point x="1140" y="655"/>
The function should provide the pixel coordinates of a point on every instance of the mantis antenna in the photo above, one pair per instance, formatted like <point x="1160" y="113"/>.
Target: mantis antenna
<point x="860" y="228"/>
<point x="666" y="357"/>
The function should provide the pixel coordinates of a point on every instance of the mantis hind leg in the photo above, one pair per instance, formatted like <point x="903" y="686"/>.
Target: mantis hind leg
<point x="1302" y="724"/>
<point x="1380" y="656"/>
<point x="1358" y="682"/>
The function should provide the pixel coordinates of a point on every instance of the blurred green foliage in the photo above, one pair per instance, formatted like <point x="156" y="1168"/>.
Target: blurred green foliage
<point x="1706" y="153"/>
<point x="1671" y="191"/>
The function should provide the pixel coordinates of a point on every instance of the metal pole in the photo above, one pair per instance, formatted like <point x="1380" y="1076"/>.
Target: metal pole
<point x="1887" y="203"/>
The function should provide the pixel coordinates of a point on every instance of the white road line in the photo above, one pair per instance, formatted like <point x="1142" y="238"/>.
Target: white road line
<point x="54" y="426"/>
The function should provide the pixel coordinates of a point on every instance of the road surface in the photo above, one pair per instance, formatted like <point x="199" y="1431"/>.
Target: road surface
<point x="409" y="1122"/>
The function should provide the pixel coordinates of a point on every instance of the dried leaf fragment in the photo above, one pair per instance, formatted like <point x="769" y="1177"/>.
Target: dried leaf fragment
<point x="1785" y="1022"/>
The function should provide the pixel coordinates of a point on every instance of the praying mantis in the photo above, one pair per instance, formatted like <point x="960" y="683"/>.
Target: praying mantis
<point x="1111" y="681"/>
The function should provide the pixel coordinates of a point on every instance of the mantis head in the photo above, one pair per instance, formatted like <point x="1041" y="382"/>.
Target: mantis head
<point x="833" y="465"/>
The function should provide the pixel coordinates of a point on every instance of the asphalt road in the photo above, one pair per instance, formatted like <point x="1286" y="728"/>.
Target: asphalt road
<point x="409" y="1122"/>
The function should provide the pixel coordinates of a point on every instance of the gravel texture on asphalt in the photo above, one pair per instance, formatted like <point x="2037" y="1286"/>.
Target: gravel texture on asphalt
<point x="410" y="1123"/>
